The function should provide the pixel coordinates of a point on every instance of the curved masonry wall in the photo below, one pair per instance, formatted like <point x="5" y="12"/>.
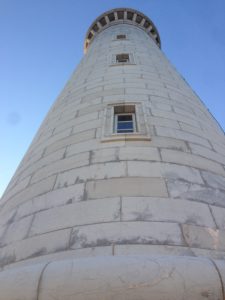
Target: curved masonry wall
<point x="76" y="194"/>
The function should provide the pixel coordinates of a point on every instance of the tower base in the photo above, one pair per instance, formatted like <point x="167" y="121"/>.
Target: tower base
<point x="116" y="278"/>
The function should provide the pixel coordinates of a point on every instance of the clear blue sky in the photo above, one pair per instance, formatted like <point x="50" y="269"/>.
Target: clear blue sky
<point x="42" y="42"/>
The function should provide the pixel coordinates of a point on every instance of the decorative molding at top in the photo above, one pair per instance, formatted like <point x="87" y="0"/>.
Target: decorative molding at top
<point x="121" y="16"/>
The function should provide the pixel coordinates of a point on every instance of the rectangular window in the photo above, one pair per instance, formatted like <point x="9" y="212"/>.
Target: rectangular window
<point x="121" y="37"/>
<point x="124" y="119"/>
<point x="122" y="58"/>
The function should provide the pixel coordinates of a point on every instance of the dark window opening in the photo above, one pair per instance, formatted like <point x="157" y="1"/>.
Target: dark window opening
<point x="102" y="21"/>
<point x="95" y="28"/>
<point x="122" y="58"/>
<point x="139" y="19"/>
<point x="130" y="15"/>
<point x="111" y="17"/>
<point x="120" y="14"/>
<point x="121" y="36"/>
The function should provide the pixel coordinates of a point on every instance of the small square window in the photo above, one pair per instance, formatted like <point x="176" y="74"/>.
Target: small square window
<point x="121" y="37"/>
<point x="124" y="119"/>
<point x="122" y="58"/>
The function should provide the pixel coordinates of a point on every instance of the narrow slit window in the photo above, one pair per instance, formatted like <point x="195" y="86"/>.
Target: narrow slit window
<point x="124" y="119"/>
<point x="122" y="58"/>
<point x="121" y="37"/>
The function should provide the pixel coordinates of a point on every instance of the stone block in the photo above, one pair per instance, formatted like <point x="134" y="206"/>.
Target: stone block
<point x="204" y="237"/>
<point x="169" y="171"/>
<point x="181" y="135"/>
<point x="163" y="122"/>
<point x="98" y="171"/>
<point x="138" y="153"/>
<point x="135" y="186"/>
<point x="62" y="165"/>
<point x="214" y="180"/>
<point x="86" y="126"/>
<point x="104" y="155"/>
<point x="220" y="264"/>
<point x="31" y="191"/>
<point x="166" y="210"/>
<point x="191" y="160"/>
<point x="113" y="278"/>
<point x="73" y="139"/>
<point x="188" y="190"/>
<point x="51" y="199"/>
<point x="21" y="283"/>
<point x="81" y="147"/>
<point x="20" y="185"/>
<point x="152" y="250"/>
<point x="35" y="246"/>
<point x="80" y="213"/>
<point x="170" y="143"/>
<point x="16" y="231"/>
<point x="205" y="152"/>
<point x="219" y="215"/>
<point x="106" y="234"/>
<point x="43" y="161"/>
<point x="174" y="116"/>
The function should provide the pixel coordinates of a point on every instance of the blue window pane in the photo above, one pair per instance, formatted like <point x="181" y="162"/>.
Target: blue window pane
<point x="125" y="125"/>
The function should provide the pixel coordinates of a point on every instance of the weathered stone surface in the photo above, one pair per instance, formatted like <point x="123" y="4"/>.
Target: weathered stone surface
<point x="112" y="278"/>
<point x="219" y="216"/>
<point x="81" y="213"/>
<point x="188" y="190"/>
<point x="98" y="171"/>
<point x="214" y="180"/>
<point x="51" y="199"/>
<point x="204" y="237"/>
<point x="16" y="231"/>
<point x="21" y="283"/>
<point x="126" y="233"/>
<point x="166" y="210"/>
<point x="35" y="246"/>
<point x="192" y="161"/>
<point x="126" y="187"/>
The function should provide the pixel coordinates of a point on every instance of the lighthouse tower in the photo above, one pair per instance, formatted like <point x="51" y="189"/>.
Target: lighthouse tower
<point x="121" y="194"/>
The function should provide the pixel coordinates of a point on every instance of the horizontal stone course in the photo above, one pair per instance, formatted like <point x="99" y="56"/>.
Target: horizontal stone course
<point x="35" y="246"/>
<point x="80" y="213"/>
<point x="204" y="237"/>
<point x="181" y="135"/>
<point x="191" y="160"/>
<point x="51" y="199"/>
<point x="166" y="210"/>
<point x="98" y="171"/>
<point x="138" y="186"/>
<point x="31" y="191"/>
<point x="62" y="165"/>
<point x="166" y="170"/>
<point x="187" y="190"/>
<point x="126" y="233"/>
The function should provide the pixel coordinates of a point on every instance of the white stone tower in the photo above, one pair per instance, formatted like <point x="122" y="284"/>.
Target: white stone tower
<point x="121" y="195"/>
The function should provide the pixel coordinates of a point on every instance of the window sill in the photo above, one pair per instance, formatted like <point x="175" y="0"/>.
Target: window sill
<point x="126" y="137"/>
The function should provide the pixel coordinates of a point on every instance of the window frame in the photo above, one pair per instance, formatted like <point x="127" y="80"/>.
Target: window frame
<point x="141" y="130"/>
<point x="116" y="121"/>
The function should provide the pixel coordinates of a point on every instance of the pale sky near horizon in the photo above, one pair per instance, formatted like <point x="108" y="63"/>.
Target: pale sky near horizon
<point x="42" y="42"/>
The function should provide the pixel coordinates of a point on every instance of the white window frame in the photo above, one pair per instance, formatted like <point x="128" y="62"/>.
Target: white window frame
<point x="140" y="125"/>
<point x="124" y="114"/>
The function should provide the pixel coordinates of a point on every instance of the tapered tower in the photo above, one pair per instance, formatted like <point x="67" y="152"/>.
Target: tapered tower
<point x="121" y="194"/>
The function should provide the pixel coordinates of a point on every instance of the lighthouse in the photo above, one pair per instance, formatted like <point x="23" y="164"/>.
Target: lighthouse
<point x="121" y="194"/>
